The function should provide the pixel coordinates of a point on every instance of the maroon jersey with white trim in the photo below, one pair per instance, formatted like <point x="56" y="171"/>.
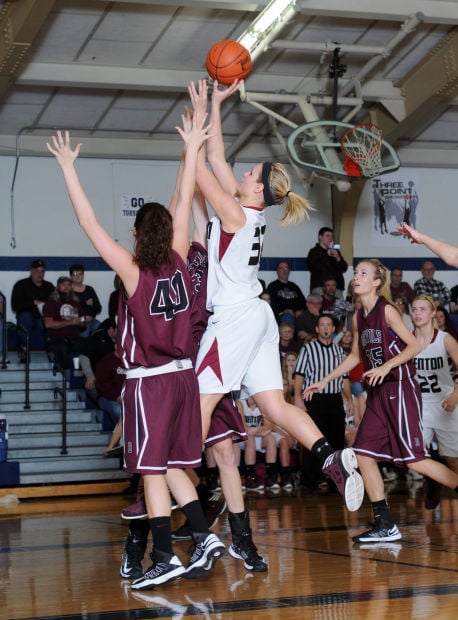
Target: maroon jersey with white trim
<point x="378" y="343"/>
<point x="154" y="324"/>
<point x="198" y="270"/>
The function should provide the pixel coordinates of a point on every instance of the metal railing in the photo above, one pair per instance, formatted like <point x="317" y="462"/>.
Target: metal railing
<point x="26" y="351"/>
<point x="4" y="331"/>
<point x="62" y="391"/>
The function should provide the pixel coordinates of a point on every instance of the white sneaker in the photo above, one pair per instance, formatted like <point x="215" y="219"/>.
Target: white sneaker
<point x="341" y="466"/>
<point x="379" y="534"/>
<point x="204" y="556"/>
<point x="165" y="568"/>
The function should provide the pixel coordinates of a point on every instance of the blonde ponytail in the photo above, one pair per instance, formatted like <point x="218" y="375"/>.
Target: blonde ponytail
<point x="277" y="191"/>
<point x="297" y="209"/>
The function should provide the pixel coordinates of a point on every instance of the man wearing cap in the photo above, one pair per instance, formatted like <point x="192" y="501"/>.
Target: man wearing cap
<point x="64" y="320"/>
<point x="27" y="299"/>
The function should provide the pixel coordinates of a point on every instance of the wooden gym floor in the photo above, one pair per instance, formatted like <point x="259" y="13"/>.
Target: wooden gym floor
<point x="59" y="559"/>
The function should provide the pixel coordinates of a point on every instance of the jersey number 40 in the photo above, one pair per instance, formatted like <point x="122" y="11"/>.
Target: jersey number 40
<point x="170" y="296"/>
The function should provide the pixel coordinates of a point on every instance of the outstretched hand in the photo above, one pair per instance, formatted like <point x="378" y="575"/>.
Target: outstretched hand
<point x="309" y="391"/>
<point x="220" y="94"/>
<point x="194" y="132"/>
<point x="414" y="235"/>
<point x="375" y="376"/>
<point x="198" y="97"/>
<point x="62" y="149"/>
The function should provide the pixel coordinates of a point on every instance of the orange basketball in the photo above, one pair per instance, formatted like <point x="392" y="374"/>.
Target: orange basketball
<point x="227" y="61"/>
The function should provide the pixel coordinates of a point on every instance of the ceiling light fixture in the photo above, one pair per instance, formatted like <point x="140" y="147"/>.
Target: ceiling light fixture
<point x="266" y="26"/>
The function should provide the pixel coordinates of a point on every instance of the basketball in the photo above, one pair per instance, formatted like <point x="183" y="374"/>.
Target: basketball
<point x="228" y="61"/>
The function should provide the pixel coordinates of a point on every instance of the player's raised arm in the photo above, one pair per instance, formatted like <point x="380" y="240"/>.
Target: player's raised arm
<point x="119" y="259"/>
<point x="215" y="144"/>
<point x="194" y="134"/>
<point x="446" y="251"/>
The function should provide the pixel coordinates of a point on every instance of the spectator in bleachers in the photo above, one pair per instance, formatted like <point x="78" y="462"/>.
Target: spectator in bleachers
<point x="285" y="296"/>
<point x="307" y="321"/>
<point x="114" y="298"/>
<point x="64" y="319"/>
<point x="399" y="287"/>
<point x="402" y="306"/>
<point x="287" y="341"/>
<point x="27" y="300"/>
<point x="288" y="366"/>
<point x="260" y="439"/>
<point x="93" y="349"/>
<point x="337" y="307"/>
<point x="109" y="381"/>
<point x="325" y="261"/>
<point x="87" y="297"/>
<point x="444" y="322"/>
<point x="427" y="285"/>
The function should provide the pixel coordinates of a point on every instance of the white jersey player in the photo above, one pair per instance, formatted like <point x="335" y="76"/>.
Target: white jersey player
<point x="240" y="346"/>
<point x="439" y="393"/>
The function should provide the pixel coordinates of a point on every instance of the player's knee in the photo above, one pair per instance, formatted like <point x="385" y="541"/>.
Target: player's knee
<point x="224" y="454"/>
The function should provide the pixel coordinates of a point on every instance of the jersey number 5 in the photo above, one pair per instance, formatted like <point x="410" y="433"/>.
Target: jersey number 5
<point x="375" y="356"/>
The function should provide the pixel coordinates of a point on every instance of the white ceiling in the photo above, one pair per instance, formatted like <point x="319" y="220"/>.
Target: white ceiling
<point x="116" y="72"/>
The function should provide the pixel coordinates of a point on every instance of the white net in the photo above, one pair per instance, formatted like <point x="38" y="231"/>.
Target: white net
<point x="362" y="144"/>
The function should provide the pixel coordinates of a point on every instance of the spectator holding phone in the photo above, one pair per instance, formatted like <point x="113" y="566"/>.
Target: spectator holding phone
<point x="325" y="261"/>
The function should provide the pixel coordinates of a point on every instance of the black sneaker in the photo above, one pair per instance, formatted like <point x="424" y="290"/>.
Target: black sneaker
<point x="287" y="483"/>
<point x="379" y="533"/>
<point x="253" y="484"/>
<point x="216" y="505"/>
<point x="165" y="567"/>
<point x="131" y="564"/>
<point x="204" y="556"/>
<point x="341" y="466"/>
<point x="184" y="532"/>
<point x="272" y="484"/>
<point x="213" y="482"/>
<point x="432" y="493"/>
<point x="243" y="548"/>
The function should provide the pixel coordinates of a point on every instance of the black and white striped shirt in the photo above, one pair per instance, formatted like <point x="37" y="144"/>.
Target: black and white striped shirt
<point x="316" y="360"/>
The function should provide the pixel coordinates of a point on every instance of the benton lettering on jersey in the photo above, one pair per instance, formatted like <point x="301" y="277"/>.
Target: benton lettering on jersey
<point x="428" y="363"/>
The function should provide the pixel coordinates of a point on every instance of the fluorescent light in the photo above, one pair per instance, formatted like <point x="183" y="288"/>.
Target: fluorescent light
<point x="266" y="26"/>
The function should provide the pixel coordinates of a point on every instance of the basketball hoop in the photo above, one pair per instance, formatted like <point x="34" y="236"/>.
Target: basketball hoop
<point x="362" y="144"/>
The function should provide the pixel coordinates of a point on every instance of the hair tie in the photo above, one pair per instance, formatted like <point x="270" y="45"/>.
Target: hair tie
<point x="268" y="198"/>
<point x="287" y="193"/>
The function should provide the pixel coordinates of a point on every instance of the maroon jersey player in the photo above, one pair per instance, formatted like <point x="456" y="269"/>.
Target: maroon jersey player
<point x="391" y="428"/>
<point x="160" y="380"/>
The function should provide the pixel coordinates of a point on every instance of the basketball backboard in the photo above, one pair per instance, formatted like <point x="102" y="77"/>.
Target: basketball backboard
<point x="317" y="146"/>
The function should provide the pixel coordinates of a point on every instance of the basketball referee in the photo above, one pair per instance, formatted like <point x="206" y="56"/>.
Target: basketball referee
<point x="316" y="360"/>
